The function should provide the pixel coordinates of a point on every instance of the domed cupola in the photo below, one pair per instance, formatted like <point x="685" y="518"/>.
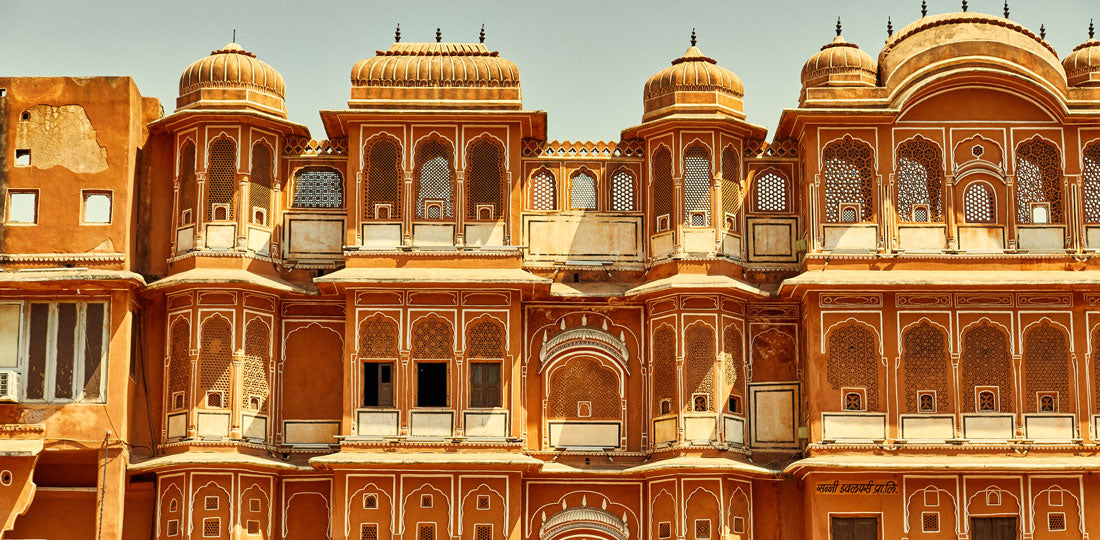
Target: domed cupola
<point x="840" y="64"/>
<point x="232" y="78"/>
<point x="1083" y="64"/>
<point x="693" y="84"/>
<point x="436" y="75"/>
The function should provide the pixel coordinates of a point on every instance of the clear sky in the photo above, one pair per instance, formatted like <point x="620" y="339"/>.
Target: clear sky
<point x="584" y="62"/>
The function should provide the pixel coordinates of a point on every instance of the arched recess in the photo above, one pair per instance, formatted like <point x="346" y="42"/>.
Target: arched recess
<point x="733" y="367"/>
<point x="986" y="361"/>
<point x="1038" y="182"/>
<point x="624" y="189"/>
<point x="698" y="186"/>
<point x="261" y="183"/>
<point x="179" y="365"/>
<point x="1090" y="181"/>
<point x="700" y="358"/>
<point x="583" y="386"/>
<point x="848" y="178"/>
<point x="544" y="190"/>
<point x="1046" y="369"/>
<point x="188" y="186"/>
<point x="919" y="181"/>
<point x="434" y="184"/>
<point x="215" y="362"/>
<point x="731" y="187"/>
<point x="383" y="182"/>
<point x="664" y="371"/>
<point x="583" y="191"/>
<point x="221" y="180"/>
<point x="926" y="366"/>
<point x="663" y="191"/>
<point x="486" y="188"/>
<point x="852" y="360"/>
<point x="255" y="386"/>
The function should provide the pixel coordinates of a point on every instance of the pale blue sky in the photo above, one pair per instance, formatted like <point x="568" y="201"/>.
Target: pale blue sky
<point x="582" y="61"/>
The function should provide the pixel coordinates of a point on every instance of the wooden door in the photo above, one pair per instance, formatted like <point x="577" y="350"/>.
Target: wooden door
<point x="993" y="528"/>
<point x="854" y="528"/>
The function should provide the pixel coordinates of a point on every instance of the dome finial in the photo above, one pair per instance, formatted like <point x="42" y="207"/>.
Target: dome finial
<point x="481" y="36"/>
<point x="1043" y="32"/>
<point x="889" y="26"/>
<point x="693" y="40"/>
<point x="923" y="8"/>
<point x="838" y="27"/>
<point x="1006" y="9"/>
<point x="1092" y="30"/>
<point x="965" y="7"/>
<point x="438" y="35"/>
<point x="397" y="34"/>
<point x="234" y="35"/>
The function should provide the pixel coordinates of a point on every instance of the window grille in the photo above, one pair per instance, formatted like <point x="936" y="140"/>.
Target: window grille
<point x="544" y="191"/>
<point x="853" y="361"/>
<point x="1038" y="179"/>
<point x="978" y="204"/>
<point x="483" y="532"/>
<point x="930" y="522"/>
<point x="699" y="360"/>
<point x="1047" y="403"/>
<point x="432" y="338"/>
<point x="221" y="180"/>
<point x="733" y="359"/>
<point x="179" y="367"/>
<point x="582" y="191"/>
<point x="1091" y="180"/>
<point x="664" y="530"/>
<point x="369" y="531"/>
<point x="771" y="193"/>
<point x="697" y="187"/>
<point x="173" y="527"/>
<point x="425" y="501"/>
<point x="485" y="179"/>
<point x="253" y="505"/>
<point x="210" y="503"/>
<point x="702" y="529"/>
<point x="253" y="527"/>
<point x="731" y="183"/>
<point x="583" y="379"/>
<point x="260" y="184"/>
<point x="927" y="402"/>
<point x="370" y="502"/>
<point x="211" y="528"/>
<point x="426" y="531"/>
<point x="254" y="387"/>
<point x="435" y="179"/>
<point x="853" y="401"/>
<point x="849" y="214"/>
<point x="987" y="401"/>
<point x="919" y="182"/>
<point x="483" y="502"/>
<point x="663" y="192"/>
<point x="849" y="175"/>
<point x="622" y="191"/>
<point x="188" y="185"/>
<point x="1046" y="365"/>
<point x="664" y="365"/>
<point x="378" y="338"/>
<point x="485" y="339"/>
<point x="215" y="356"/>
<point x="318" y="187"/>
<point x="738" y="525"/>
<point x="1056" y="521"/>
<point x="926" y="367"/>
<point x="985" y="361"/>
<point x="383" y="181"/>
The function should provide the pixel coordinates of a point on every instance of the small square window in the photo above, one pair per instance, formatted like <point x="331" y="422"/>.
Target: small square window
<point x="253" y="527"/>
<point x="666" y="406"/>
<point x="433" y="209"/>
<point x="664" y="530"/>
<point x="483" y="502"/>
<point x="735" y="404"/>
<point x="662" y="223"/>
<point x="926" y="402"/>
<point x="97" y="207"/>
<point x="370" y="501"/>
<point x="425" y="531"/>
<point x="700" y="402"/>
<point x="920" y="213"/>
<point x="698" y="218"/>
<point x="1056" y="521"/>
<point x="483" y="532"/>
<point x="738" y="525"/>
<point x="259" y="215"/>
<point x="383" y="210"/>
<point x="425" y="501"/>
<point x="584" y="409"/>
<point x="987" y="400"/>
<point x="178" y="400"/>
<point x="1048" y="402"/>
<point x="211" y="528"/>
<point x="1040" y="213"/>
<point x="702" y="529"/>
<point x="23" y="157"/>
<point x="930" y="522"/>
<point x="853" y="399"/>
<point x="993" y="498"/>
<point x="186" y="216"/>
<point x="22" y="207"/>
<point x="253" y="505"/>
<point x="173" y="527"/>
<point x="484" y="211"/>
<point x="932" y="498"/>
<point x="849" y="213"/>
<point x="215" y="400"/>
<point x="368" y="531"/>
<point x="220" y="211"/>
<point x="210" y="503"/>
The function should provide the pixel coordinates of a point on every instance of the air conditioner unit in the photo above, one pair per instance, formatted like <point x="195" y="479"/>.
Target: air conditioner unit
<point x="9" y="386"/>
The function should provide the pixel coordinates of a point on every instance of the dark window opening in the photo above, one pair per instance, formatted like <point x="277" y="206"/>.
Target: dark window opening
<point x="484" y="384"/>
<point x="854" y="528"/>
<point x="377" y="384"/>
<point x="431" y="384"/>
<point x="735" y="404"/>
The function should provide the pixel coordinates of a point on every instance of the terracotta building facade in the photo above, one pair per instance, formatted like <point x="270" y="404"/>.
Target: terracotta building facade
<point x="436" y="324"/>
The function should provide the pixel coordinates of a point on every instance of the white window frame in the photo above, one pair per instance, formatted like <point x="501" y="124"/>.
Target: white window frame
<point x="50" y="381"/>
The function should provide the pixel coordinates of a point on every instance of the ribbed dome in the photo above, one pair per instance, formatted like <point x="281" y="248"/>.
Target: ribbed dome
<point x="462" y="75"/>
<point x="966" y="41"/>
<point x="1083" y="64"/>
<point x="232" y="74"/>
<point x="840" y="64"/>
<point x="693" y="83"/>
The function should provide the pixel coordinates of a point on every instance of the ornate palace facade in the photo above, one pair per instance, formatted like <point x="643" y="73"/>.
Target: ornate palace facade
<point x="436" y="324"/>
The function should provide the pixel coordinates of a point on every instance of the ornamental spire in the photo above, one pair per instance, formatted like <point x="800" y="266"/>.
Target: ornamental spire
<point x="1092" y="30"/>
<point x="1006" y="9"/>
<point x="889" y="26"/>
<point x="1043" y="32"/>
<point x="234" y="35"/>
<point x="481" y="36"/>
<point x="438" y="35"/>
<point x="838" y="27"/>
<point x="397" y="34"/>
<point x="965" y="7"/>
<point x="923" y="8"/>
<point x="693" y="40"/>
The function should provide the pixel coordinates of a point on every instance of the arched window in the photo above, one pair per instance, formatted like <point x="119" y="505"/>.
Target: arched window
<point x="771" y="193"/>
<point x="215" y="362"/>
<point x="853" y="360"/>
<point x="179" y="367"/>
<point x="731" y="187"/>
<point x="733" y="368"/>
<point x="1091" y="181"/>
<point x="260" y="184"/>
<point x="544" y="190"/>
<point x="919" y="182"/>
<point x="927" y="369"/>
<point x="582" y="191"/>
<point x="485" y="339"/>
<point x="1046" y="368"/>
<point x="254" y="385"/>
<point x="378" y="338"/>
<point x="1038" y="183"/>
<point x="221" y="180"/>
<point x="485" y="181"/>
<point x="188" y="186"/>
<point x="664" y="369"/>
<point x="663" y="190"/>
<point x="583" y="388"/>
<point x="622" y="191"/>
<point x="432" y="338"/>
<point x="979" y="205"/>
<point x="434" y="180"/>
<point x="849" y="181"/>
<point x="985" y="362"/>
<point x="697" y="186"/>
<point x="318" y="187"/>
<point x="383" y="181"/>
<point x="699" y="358"/>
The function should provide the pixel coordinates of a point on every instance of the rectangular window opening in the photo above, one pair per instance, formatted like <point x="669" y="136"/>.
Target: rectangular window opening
<point x="431" y="384"/>
<point x="377" y="384"/>
<point x="22" y="207"/>
<point x="97" y="207"/>
<point x="22" y="157"/>
<point x="484" y="384"/>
